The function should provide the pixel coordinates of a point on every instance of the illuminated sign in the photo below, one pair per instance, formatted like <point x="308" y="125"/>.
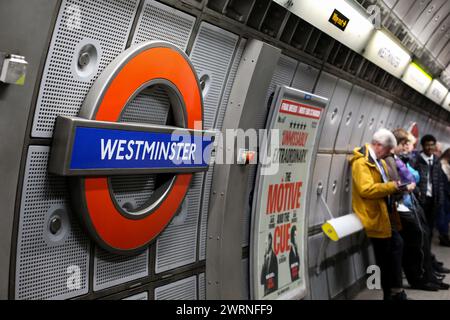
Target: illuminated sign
<point x="387" y="53"/>
<point x="446" y="103"/>
<point x="437" y="91"/>
<point x="417" y="78"/>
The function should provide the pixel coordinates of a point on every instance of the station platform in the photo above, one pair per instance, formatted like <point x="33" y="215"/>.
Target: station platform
<point x="442" y="254"/>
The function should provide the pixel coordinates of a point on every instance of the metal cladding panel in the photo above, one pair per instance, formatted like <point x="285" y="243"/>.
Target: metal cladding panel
<point x="345" y="203"/>
<point x="326" y="85"/>
<point x="426" y="16"/>
<point x="393" y="114"/>
<point x="305" y="77"/>
<point x="437" y="35"/>
<point x="212" y="57"/>
<point x="389" y="3"/>
<point x="201" y="287"/>
<point x="112" y="269"/>
<point x="218" y="125"/>
<point x="319" y="286"/>
<point x="139" y="296"/>
<point x="422" y="122"/>
<point x="283" y="75"/>
<point x="434" y="24"/>
<point x="441" y="43"/>
<point x="100" y="28"/>
<point x="48" y="266"/>
<point x="160" y="22"/>
<point x="414" y="12"/>
<point x="341" y="276"/>
<point x="245" y="279"/>
<point x="336" y="107"/>
<point x="444" y="56"/>
<point x="372" y="121"/>
<point x="402" y="7"/>
<point x="317" y="213"/>
<point x="314" y="244"/>
<point x="334" y="247"/>
<point x="177" y="244"/>
<point x="384" y="114"/>
<point x="361" y="120"/>
<point x="185" y="289"/>
<point x="336" y="183"/>
<point x="401" y="116"/>
<point x="410" y="118"/>
<point x="348" y="119"/>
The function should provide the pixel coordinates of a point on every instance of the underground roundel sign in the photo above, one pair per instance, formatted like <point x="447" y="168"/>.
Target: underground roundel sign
<point x="93" y="147"/>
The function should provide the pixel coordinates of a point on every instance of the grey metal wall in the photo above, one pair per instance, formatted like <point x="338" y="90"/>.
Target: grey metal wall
<point x="214" y="36"/>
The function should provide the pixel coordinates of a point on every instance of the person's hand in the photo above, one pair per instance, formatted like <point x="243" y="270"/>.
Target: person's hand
<point x="410" y="187"/>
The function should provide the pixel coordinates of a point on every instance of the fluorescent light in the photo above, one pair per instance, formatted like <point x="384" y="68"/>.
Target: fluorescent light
<point x="357" y="28"/>
<point x="437" y="91"/>
<point x="387" y="53"/>
<point x="417" y="78"/>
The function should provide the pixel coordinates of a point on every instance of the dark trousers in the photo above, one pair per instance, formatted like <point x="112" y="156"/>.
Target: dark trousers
<point x="430" y="213"/>
<point x="388" y="257"/>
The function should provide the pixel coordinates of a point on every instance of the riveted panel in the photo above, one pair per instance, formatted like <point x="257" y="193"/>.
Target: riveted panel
<point x="426" y="16"/>
<point x="88" y="35"/>
<point x="317" y="213"/>
<point x="336" y="183"/>
<point x="160" y="22"/>
<point x="372" y="121"/>
<point x="362" y="119"/>
<point x="185" y="289"/>
<point x="434" y="23"/>
<point x="345" y="203"/>
<point x="336" y="107"/>
<point x="413" y="14"/>
<point x="50" y="264"/>
<point x="348" y="119"/>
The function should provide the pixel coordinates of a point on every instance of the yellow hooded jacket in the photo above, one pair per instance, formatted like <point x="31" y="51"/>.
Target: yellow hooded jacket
<point x="369" y="193"/>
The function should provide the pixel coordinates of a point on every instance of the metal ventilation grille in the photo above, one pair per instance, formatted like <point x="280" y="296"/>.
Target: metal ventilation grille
<point x="283" y="75"/>
<point x="160" y="22"/>
<point x="211" y="55"/>
<point x="46" y="263"/>
<point x="177" y="244"/>
<point x="139" y="296"/>
<point x="201" y="287"/>
<point x="103" y="25"/>
<point x="185" y="289"/>
<point x="218" y="126"/>
<point x="132" y="191"/>
<point x="112" y="269"/>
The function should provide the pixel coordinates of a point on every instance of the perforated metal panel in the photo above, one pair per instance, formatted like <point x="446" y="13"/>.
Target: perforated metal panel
<point x="160" y="22"/>
<point x="112" y="269"/>
<point x="218" y="126"/>
<point x="305" y="77"/>
<point x="201" y="287"/>
<point x="185" y="289"/>
<point x="177" y="244"/>
<point x="283" y="75"/>
<point x="139" y="296"/>
<point x="212" y="57"/>
<point x="103" y="25"/>
<point x="48" y="266"/>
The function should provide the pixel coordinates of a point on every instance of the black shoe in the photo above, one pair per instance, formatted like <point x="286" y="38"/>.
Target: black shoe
<point x="442" y="285"/>
<point x="400" y="296"/>
<point x="439" y="276"/>
<point x="428" y="286"/>
<point x="441" y="269"/>
<point x="444" y="241"/>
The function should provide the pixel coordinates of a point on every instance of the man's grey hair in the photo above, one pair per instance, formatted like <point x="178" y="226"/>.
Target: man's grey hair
<point x="385" y="138"/>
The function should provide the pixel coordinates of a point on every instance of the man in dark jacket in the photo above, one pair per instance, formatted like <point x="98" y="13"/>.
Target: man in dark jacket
<point x="269" y="271"/>
<point x="431" y="188"/>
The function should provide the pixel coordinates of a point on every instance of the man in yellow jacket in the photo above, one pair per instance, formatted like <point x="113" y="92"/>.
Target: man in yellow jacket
<point x="371" y="199"/>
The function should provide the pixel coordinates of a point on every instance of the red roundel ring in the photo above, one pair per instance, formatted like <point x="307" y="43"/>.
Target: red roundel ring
<point x="153" y="62"/>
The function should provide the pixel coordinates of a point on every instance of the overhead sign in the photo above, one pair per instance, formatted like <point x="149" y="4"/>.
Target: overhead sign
<point x="95" y="148"/>
<point x="279" y="219"/>
<point x="416" y="78"/>
<point x="340" y="19"/>
<point x="446" y="103"/>
<point x="387" y="53"/>
<point x="437" y="91"/>
<point x="111" y="148"/>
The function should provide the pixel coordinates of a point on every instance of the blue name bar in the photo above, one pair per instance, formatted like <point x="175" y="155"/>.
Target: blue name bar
<point x="104" y="148"/>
